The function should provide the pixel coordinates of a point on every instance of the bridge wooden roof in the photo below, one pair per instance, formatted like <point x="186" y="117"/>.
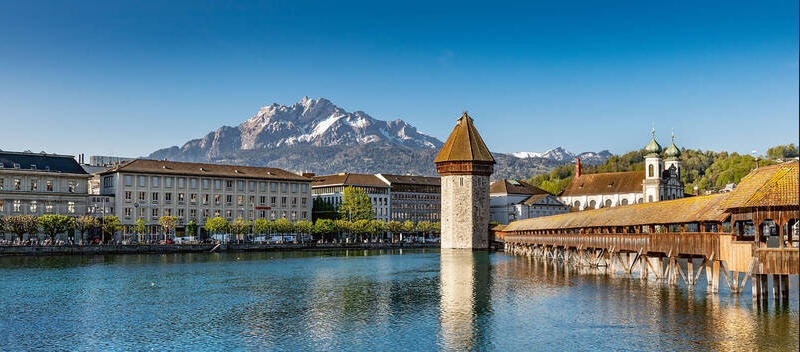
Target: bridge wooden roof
<point x="464" y="144"/>
<point x="684" y="210"/>
<point x="774" y="185"/>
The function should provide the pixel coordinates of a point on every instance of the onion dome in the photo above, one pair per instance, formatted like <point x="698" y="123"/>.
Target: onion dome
<point x="672" y="152"/>
<point x="653" y="147"/>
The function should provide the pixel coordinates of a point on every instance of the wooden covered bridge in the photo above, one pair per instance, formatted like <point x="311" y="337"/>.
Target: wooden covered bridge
<point x="748" y="233"/>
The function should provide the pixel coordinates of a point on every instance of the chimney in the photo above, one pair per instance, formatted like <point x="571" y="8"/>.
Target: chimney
<point x="308" y="174"/>
<point x="578" y="166"/>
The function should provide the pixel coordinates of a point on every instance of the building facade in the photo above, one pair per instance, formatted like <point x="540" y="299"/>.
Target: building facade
<point x="330" y="188"/>
<point x="413" y="198"/>
<point x="39" y="184"/>
<point x="661" y="180"/>
<point x="465" y="165"/>
<point x="149" y="189"/>
<point x="512" y="200"/>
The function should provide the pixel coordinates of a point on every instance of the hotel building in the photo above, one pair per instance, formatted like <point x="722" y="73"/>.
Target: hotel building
<point x="149" y="189"/>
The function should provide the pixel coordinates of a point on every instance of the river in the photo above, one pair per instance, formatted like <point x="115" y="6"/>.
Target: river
<point x="391" y="300"/>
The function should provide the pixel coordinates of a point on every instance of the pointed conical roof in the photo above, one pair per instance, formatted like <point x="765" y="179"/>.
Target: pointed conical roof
<point x="464" y="144"/>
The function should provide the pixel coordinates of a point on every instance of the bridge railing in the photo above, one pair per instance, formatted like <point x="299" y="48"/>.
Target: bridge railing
<point x="676" y="244"/>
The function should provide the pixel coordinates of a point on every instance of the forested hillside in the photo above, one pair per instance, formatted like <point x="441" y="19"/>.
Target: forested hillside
<point x="707" y="170"/>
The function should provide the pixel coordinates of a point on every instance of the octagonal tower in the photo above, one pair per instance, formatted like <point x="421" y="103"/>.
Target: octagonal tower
<point x="465" y="165"/>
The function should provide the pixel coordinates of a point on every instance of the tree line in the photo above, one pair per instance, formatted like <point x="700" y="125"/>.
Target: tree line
<point x="53" y="224"/>
<point x="708" y="170"/>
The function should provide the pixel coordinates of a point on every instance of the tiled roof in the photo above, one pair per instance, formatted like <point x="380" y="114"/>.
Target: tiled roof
<point x="412" y="180"/>
<point x="514" y="187"/>
<point x="348" y="179"/>
<point x="693" y="209"/>
<point x="208" y="170"/>
<point x="605" y="183"/>
<point x="774" y="185"/>
<point x="464" y="144"/>
<point x="42" y="162"/>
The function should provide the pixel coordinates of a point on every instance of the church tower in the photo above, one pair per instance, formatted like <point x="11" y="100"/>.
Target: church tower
<point x="465" y="164"/>
<point x="672" y="157"/>
<point x="652" y="168"/>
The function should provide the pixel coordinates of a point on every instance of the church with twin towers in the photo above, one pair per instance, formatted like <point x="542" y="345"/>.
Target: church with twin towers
<point x="660" y="180"/>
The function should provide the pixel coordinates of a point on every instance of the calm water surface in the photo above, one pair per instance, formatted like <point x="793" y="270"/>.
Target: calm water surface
<point x="366" y="300"/>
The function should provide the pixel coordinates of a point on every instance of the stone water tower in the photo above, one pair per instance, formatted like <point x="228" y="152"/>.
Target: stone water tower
<point x="465" y="165"/>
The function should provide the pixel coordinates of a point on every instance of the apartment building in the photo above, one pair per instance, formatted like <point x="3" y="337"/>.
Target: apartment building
<point x="394" y="197"/>
<point x="39" y="184"/>
<point x="149" y="189"/>
<point x="330" y="188"/>
<point x="414" y="198"/>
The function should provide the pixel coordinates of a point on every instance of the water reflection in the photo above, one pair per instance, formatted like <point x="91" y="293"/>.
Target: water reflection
<point x="367" y="300"/>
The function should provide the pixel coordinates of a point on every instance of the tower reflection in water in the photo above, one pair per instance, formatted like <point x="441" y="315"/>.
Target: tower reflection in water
<point x="465" y="297"/>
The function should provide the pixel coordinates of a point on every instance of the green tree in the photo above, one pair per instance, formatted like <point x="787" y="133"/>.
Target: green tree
<point x="53" y="224"/>
<point x="167" y="223"/>
<point x="217" y="225"/>
<point x="140" y="227"/>
<point x="21" y="225"/>
<point x="425" y="228"/>
<point x="304" y="227"/>
<point x="361" y="228"/>
<point x="239" y="227"/>
<point x="261" y="226"/>
<point x="345" y="229"/>
<point x="86" y="223"/>
<point x="376" y="229"/>
<point x="356" y="205"/>
<point x="191" y="228"/>
<point x="324" y="228"/>
<point x="110" y="225"/>
<point x="283" y="226"/>
<point x="395" y="227"/>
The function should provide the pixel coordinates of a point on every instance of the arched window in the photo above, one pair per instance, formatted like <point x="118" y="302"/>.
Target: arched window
<point x="577" y="204"/>
<point x="624" y="201"/>
<point x="650" y="198"/>
<point x="640" y="200"/>
<point x="592" y="204"/>
<point x="650" y="170"/>
<point x="608" y="202"/>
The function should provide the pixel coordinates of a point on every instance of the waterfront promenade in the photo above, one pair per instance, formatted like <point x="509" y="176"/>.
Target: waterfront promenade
<point x="199" y="248"/>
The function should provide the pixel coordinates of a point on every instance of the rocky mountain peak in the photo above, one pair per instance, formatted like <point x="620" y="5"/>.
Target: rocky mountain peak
<point x="316" y="122"/>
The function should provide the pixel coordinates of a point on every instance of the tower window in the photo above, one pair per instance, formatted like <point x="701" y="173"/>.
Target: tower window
<point x="650" y="170"/>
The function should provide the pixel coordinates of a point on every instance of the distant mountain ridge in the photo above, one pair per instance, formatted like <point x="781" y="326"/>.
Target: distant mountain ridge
<point x="560" y="154"/>
<point x="314" y="135"/>
<point x="316" y="122"/>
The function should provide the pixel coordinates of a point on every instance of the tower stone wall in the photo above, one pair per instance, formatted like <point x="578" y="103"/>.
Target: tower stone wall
<point x="465" y="211"/>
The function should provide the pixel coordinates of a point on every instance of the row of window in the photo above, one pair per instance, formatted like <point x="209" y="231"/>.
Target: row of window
<point x="180" y="198"/>
<point x="128" y="213"/>
<point x="33" y="206"/>
<point x="36" y="186"/>
<point x="424" y="197"/>
<point x="180" y="182"/>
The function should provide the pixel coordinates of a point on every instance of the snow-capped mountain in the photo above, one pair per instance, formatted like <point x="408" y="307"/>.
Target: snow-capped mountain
<point x="562" y="155"/>
<point x="312" y="122"/>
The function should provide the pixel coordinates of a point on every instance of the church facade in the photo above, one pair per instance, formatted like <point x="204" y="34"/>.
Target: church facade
<point x="660" y="180"/>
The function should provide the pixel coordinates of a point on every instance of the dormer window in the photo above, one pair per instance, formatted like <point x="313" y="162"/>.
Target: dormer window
<point x="16" y="165"/>
<point x="33" y="166"/>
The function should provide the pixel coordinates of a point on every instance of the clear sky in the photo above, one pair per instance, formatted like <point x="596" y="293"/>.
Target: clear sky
<point x="127" y="78"/>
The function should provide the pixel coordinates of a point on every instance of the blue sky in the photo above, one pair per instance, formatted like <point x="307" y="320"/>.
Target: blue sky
<point x="127" y="78"/>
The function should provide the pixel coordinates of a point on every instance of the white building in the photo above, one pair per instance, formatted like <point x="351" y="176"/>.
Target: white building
<point x="149" y="189"/>
<point x="661" y="180"/>
<point x="511" y="200"/>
